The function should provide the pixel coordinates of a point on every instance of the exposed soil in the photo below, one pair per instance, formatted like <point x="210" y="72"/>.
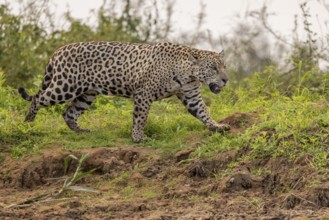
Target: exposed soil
<point x="143" y="183"/>
<point x="240" y="121"/>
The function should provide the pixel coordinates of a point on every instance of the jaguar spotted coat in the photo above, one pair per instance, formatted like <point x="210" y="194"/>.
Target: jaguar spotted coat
<point x="77" y="73"/>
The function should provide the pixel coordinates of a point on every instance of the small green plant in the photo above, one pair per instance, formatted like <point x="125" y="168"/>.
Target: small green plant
<point x="128" y="192"/>
<point x="256" y="202"/>
<point x="23" y="148"/>
<point x="69" y="183"/>
<point x="151" y="193"/>
<point x="259" y="171"/>
<point x="122" y="180"/>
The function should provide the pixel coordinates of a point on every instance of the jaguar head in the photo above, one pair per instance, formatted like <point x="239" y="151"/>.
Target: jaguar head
<point x="211" y="70"/>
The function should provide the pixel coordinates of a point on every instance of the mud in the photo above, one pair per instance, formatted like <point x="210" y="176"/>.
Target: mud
<point x="194" y="189"/>
<point x="42" y="170"/>
<point x="240" y="121"/>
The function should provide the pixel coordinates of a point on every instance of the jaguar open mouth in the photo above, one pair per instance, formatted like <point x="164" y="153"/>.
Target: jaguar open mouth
<point x="215" y="88"/>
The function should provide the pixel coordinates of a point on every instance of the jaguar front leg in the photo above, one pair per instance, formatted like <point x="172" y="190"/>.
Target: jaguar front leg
<point x="192" y="100"/>
<point x="141" y="109"/>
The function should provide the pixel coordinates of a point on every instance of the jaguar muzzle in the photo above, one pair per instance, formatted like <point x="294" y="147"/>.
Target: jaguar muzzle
<point x="215" y="88"/>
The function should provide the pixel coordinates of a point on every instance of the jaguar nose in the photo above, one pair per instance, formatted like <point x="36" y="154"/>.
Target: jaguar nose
<point x="224" y="81"/>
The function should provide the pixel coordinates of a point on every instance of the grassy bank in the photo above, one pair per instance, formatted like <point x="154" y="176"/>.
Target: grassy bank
<point x="273" y="123"/>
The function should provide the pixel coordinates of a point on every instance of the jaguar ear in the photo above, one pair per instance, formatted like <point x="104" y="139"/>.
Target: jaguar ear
<point x="193" y="59"/>
<point x="221" y="54"/>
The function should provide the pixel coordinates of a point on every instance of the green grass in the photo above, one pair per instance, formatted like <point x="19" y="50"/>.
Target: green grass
<point x="290" y="126"/>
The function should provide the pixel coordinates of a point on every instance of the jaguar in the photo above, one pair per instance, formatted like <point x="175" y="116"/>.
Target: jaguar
<point x="78" y="72"/>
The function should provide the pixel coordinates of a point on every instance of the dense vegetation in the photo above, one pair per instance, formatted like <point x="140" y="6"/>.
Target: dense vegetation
<point x="290" y="108"/>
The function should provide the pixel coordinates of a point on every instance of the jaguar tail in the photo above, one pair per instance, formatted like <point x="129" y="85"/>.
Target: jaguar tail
<point x="24" y="94"/>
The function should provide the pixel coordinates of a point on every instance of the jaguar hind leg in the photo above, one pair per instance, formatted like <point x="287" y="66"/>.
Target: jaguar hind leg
<point x="76" y="108"/>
